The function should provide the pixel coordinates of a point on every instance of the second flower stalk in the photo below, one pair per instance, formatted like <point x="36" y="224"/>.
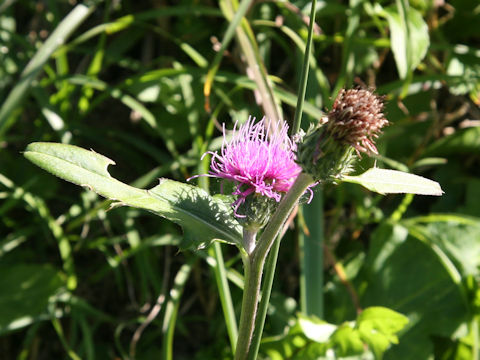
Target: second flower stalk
<point x="254" y="263"/>
<point x="272" y="173"/>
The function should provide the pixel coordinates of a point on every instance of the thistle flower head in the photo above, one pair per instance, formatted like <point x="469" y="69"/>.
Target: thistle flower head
<point x="259" y="157"/>
<point x="356" y="119"/>
<point x="328" y="149"/>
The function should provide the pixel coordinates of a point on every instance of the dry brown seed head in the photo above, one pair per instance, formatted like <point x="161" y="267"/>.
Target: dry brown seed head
<point x="356" y="119"/>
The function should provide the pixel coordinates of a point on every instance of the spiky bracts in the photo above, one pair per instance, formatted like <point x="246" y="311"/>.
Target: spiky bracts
<point x="329" y="149"/>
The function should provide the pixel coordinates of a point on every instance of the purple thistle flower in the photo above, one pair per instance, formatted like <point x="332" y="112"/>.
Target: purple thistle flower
<point x="259" y="157"/>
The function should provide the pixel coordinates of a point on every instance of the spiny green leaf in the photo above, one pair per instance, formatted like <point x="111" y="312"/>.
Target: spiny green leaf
<point x="203" y="217"/>
<point x="385" y="181"/>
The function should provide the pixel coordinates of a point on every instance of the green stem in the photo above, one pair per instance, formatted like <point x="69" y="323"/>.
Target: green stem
<point x="302" y="89"/>
<point x="254" y="263"/>
<point x="475" y="332"/>
<point x="251" y="293"/>
<point x="265" y="300"/>
<point x="285" y="207"/>
<point x="172" y="306"/>
<point x="58" y="328"/>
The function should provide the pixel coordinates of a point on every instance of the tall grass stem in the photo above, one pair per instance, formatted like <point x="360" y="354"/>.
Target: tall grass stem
<point x="302" y="87"/>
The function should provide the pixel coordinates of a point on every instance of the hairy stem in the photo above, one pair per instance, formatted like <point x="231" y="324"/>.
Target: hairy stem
<point x="254" y="263"/>
<point x="249" y="237"/>
<point x="251" y="295"/>
<point x="275" y="224"/>
<point x="269" y="274"/>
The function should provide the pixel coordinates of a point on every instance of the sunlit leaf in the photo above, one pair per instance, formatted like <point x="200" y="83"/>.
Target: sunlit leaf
<point x="347" y="342"/>
<point x="203" y="217"/>
<point x="316" y="330"/>
<point x="385" y="181"/>
<point x="379" y="326"/>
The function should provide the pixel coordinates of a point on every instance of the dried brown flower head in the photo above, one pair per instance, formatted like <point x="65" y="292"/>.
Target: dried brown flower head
<point x="356" y="119"/>
<point x="327" y="151"/>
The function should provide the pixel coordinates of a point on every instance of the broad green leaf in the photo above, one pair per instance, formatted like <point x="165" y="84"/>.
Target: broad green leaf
<point x="408" y="36"/>
<point x="456" y="237"/>
<point x="310" y="338"/>
<point x="346" y="341"/>
<point x="408" y="276"/>
<point x="385" y="181"/>
<point x="316" y="330"/>
<point x="295" y="344"/>
<point x="375" y="326"/>
<point x="25" y="293"/>
<point x="203" y="217"/>
<point x="284" y="346"/>
<point x="378" y="327"/>
<point x="383" y="320"/>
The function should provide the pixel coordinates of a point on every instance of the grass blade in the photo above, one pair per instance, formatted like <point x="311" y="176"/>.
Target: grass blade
<point x="171" y="310"/>
<point x="68" y="25"/>
<point x="234" y="22"/>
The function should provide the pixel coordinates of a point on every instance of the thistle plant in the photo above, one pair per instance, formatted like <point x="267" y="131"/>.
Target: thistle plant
<point x="264" y="166"/>
<point x="270" y="172"/>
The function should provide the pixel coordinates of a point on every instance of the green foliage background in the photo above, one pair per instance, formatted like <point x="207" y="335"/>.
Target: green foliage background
<point x="126" y="79"/>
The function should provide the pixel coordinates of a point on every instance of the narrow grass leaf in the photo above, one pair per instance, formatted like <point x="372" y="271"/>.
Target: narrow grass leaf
<point x="68" y="25"/>
<point x="234" y="22"/>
